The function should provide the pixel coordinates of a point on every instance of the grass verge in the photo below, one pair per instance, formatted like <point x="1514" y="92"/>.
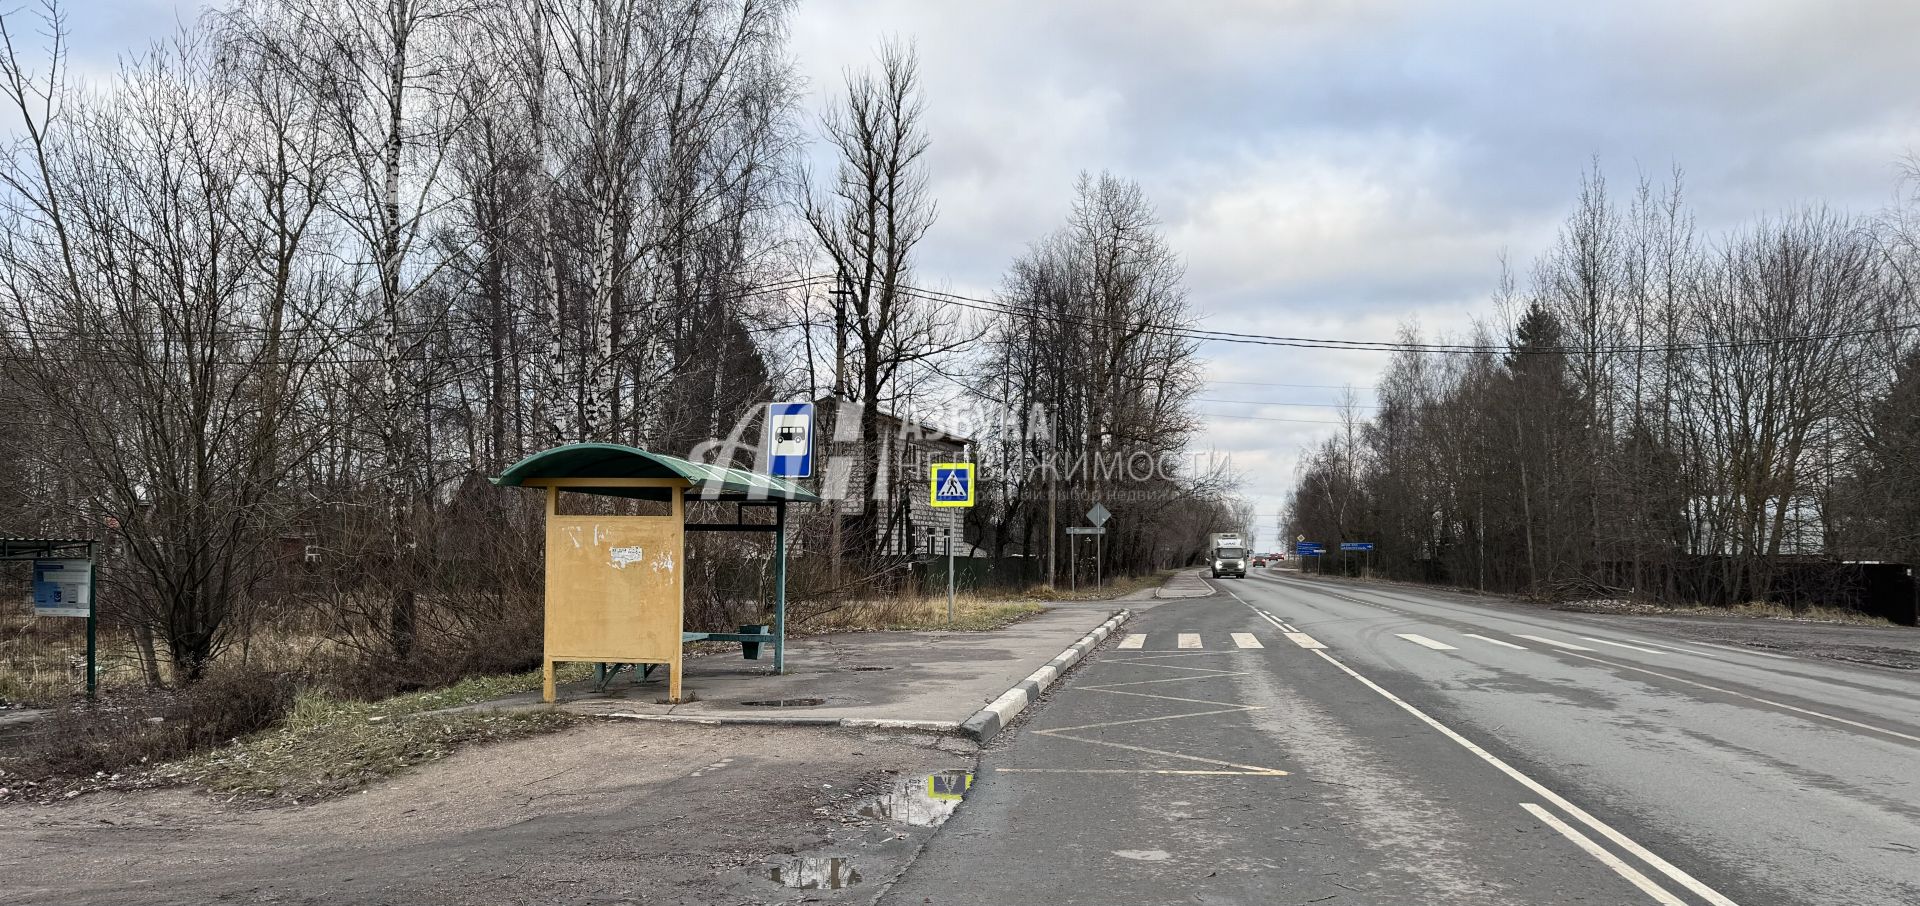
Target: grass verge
<point x="326" y="746"/>
<point x="971" y="614"/>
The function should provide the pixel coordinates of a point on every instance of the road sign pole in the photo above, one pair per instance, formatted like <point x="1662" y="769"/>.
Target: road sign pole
<point x="1073" y="563"/>
<point x="949" y="577"/>
<point x="1099" y="576"/>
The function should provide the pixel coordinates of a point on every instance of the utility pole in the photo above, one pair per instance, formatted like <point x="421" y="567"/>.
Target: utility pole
<point x="842" y="290"/>
<point x="836" y="542"/>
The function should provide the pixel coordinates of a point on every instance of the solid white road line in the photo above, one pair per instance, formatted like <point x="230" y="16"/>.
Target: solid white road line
<point x="1427" y="642"/>
<point x="1619" y="839"/>
<point x="1246" y="640"/>
<point x="1765" y="701"/>
<point x="1621" y="868"/>
<point x="1495" y="641"/>
<point x="1134" y="640"/>
<point x="1681" y="650"/>
<point x="1622" y="645"/>
<point x="1189" y="640"/>
<point x="1558" y="644"/>
<point x="1737" y="650"/>
<point x="1303" y="640"/>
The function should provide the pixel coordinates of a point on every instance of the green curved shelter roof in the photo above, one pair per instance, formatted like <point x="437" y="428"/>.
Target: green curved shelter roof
<point x="621" y="461"/>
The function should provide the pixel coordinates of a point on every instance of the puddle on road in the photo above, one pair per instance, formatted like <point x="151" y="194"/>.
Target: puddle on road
<point x="923" y="801"/>
<point x="815" y="873"/>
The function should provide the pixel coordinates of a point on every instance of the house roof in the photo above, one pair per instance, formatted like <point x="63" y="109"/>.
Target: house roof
<point x="710" y="482"/>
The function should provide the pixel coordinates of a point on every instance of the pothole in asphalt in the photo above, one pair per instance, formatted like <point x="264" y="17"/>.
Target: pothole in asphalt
<point x="923" y="801"/>
<point x="866" y="668"/>
<point x="815" y="873"/>
<point x="785" y="702"/>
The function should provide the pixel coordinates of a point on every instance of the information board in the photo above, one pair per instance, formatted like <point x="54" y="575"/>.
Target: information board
<point x="62" y="588"/>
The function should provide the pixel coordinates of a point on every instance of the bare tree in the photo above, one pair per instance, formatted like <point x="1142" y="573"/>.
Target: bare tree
<point x="869" y="220"/>
<point x="161" y="269"/>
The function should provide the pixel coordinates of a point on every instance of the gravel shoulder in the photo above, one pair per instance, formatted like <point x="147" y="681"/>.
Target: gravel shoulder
<point x="609" y="812"/>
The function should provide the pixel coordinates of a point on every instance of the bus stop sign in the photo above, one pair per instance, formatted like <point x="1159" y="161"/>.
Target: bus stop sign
<point x="790" y="440"/>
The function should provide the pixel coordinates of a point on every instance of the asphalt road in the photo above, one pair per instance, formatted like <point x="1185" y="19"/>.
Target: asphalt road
<point x="1438" y="751"/>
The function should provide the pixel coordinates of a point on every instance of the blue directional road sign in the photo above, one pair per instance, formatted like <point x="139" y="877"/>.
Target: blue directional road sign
<point x="952" y="484"/>
<point x="1309" y="548"/>
<point x="790" y="440"/>
<point x="1356" y="545"/>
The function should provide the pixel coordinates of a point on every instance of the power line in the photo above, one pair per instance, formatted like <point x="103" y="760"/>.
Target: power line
<point x="1212" y="399"/>
<point x="1202" y="335"/>
<point x="1299" y="386"/>
<point x="1267" y="418"/>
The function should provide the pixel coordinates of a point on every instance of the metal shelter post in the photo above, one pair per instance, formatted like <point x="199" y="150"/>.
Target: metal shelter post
<point x="780" y="588"/>
<point x="93" y="623"/>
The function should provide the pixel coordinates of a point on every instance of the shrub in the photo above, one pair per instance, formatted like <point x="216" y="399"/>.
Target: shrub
<point x="124" y="731"/>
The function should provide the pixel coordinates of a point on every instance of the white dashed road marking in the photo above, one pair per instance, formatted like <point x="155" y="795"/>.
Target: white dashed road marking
<point x="1246" y="640"/>
<point x="1622" y="645"/>
<point x="1558" y="644"/>
<point x="1495" y="641"/>
<point x="1134" y="640"/>
<point x="1189" y="640"/>
<point x="1423" y="641"/>
<point x="1303" y="640"/>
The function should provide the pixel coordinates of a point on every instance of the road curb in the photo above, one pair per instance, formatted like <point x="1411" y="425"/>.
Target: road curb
<point x="990" y="720"/>
<point x="795" y="720"/>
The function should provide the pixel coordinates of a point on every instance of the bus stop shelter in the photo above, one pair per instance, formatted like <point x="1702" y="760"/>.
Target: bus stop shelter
<point x="615" y="584"/>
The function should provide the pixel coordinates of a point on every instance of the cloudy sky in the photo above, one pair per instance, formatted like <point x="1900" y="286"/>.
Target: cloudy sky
<point x="1341" y="168"/>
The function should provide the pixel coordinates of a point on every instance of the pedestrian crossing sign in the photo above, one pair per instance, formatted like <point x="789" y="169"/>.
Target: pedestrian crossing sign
<point x="952" y="484"/>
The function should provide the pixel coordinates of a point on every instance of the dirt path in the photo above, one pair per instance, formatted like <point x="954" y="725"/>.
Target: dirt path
<point x="608" y="813"/>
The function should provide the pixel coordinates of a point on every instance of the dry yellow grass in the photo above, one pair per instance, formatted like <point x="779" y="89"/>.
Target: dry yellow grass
<point x="972" y="613"/>
<point x="1115" y="588"/>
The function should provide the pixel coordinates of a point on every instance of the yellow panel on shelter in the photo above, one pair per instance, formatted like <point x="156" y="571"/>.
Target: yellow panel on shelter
<point x="613" y="589"/>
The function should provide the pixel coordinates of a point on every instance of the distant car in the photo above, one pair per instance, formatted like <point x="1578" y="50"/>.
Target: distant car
<point x="1259" y="559"/>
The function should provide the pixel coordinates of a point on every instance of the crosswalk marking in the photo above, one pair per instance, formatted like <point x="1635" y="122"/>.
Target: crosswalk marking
<point x="1427" y="642"/>
<point x="1303" y="640"/>
<point x="1246" y="640"/>
<point x="1189" y="640"/>
<point x="1495" y="641"/>
<point x="1556" y="643"/>
<point x="1622" y="645"/>
<point x="1134" y="640"/>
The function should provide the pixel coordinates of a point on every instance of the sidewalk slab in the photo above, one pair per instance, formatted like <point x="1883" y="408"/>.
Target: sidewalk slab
<point x="1186" y="584"/>
<point x="895" y="680"/>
